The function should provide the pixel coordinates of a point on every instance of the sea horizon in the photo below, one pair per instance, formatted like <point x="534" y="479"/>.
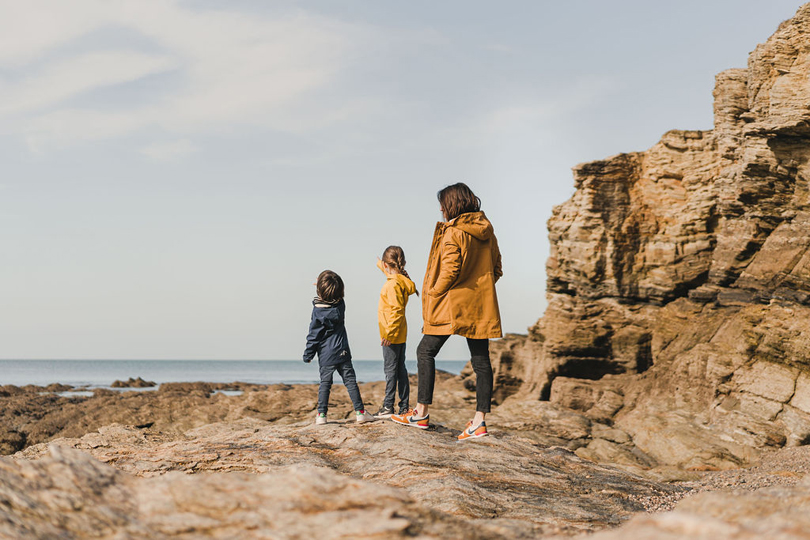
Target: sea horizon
<point x="102" y="373"/>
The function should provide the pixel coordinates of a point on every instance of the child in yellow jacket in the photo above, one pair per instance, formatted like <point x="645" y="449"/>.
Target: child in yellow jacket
<point x="394" y="328"/>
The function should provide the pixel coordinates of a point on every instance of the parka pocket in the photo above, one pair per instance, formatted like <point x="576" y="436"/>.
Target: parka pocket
<point x="437" y="309"/>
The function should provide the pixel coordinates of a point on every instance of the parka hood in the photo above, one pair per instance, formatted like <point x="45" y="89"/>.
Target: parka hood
<point x="407" y="283"/>
<point x="475" y="224"/>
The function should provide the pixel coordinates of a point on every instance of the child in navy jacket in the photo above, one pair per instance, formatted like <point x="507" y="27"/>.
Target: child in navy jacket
<point x="327" y="337"/>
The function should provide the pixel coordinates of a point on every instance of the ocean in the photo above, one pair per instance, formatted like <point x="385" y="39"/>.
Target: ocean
<point x="102" y="373"/>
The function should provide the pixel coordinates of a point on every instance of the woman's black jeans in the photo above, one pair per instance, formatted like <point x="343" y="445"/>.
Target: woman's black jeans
<point x="479" y="357"/>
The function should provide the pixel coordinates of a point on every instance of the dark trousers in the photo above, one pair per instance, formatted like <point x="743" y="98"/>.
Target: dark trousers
<point x="346" y="372"/>
<point x="479" y="357"/>
<point x="395" y="375"/>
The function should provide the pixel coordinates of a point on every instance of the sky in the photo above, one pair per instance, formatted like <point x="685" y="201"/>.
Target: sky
<point x="175" y="174"/>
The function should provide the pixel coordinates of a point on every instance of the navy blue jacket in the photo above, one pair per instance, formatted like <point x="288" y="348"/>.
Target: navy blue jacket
<point x="327" y="334"/>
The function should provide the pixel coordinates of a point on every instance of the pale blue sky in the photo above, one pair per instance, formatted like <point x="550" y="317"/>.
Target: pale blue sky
<point x="176" y="173"/>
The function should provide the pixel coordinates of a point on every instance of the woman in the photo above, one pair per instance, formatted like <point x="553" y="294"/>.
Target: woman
<point x="459" y="299"/>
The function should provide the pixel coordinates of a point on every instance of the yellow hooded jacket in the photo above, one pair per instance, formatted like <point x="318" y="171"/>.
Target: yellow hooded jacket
<point x="458" y="295"/>
<point x="391" y="312"/>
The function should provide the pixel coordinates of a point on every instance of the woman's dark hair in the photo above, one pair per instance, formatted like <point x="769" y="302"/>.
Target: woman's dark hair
<point x="329" y="286"/>
<point x="458" y="199"/>
<point x="394" y="256"/>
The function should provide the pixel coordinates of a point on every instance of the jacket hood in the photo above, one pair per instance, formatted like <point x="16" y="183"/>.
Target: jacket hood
<point x="407" y="283"/>
<point x="328" y="313"/>
<point x="475" y="224"/>
<point x="320" y="303"/>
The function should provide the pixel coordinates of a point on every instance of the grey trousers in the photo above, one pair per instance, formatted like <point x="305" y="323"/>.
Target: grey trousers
<point x="346" y="371"/>
<point x="396" y="375"/>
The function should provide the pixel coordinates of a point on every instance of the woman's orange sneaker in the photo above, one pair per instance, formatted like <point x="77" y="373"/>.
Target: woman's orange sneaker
<point x="470" y="433"/>
<point x="410" y="419"/>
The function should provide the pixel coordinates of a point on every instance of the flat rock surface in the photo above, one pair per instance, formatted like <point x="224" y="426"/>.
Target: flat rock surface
<point x="251" y="479"/>
<point x="510" y="481"/>
<point x="68" y="494"/>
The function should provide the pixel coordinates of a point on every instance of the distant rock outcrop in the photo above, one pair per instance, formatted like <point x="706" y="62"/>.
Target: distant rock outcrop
<point x="133" y="383"/>
<point x="679" y="279"/>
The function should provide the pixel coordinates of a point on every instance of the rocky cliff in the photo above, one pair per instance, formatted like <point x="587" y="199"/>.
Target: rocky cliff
<point x="679" y="279"/>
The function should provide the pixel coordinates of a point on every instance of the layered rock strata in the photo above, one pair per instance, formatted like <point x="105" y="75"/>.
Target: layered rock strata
<point x="679" y="279"/>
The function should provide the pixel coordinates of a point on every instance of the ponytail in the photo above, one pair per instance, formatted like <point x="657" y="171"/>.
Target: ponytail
<point x="394" y="256"/>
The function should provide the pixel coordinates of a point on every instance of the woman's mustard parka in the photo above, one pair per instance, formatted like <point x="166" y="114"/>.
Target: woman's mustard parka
<point x="464" y="264"/>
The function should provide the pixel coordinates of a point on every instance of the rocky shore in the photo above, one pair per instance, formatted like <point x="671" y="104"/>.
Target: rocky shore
<point x="664" y="394"/>
<point x="195" y="463"/>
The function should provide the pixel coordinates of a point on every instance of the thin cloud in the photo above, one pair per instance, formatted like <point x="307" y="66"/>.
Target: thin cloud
<point x="28" y="30"/>
<point x="227" y="69"/>
<point x="61" y="80"/>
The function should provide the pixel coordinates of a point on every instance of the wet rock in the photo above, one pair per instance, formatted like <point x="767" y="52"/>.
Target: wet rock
<point x="133" y="383"/>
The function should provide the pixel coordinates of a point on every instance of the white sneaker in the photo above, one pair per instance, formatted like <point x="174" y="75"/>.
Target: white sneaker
<point x="363" y="417"/>
<point x="320" y="419"/>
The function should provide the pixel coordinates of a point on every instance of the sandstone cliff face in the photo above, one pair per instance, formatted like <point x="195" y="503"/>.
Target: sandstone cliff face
<point x="679" y="279"/>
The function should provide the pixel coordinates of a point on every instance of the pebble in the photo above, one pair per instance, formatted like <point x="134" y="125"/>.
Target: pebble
<point x="783" y="467"/>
